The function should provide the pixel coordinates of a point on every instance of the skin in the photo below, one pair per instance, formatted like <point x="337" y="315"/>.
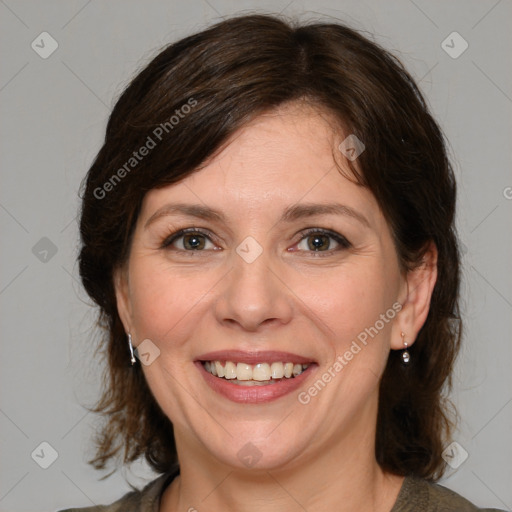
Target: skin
<point x="318" y="456"/>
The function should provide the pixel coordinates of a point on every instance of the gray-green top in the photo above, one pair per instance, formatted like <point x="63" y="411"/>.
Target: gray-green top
<point x="416" y="495"/>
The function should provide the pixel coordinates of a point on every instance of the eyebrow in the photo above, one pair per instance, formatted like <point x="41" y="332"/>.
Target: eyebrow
<point x="291" y="214"/>
<point x="304" y="210"/>
<point x="192" y="210"/>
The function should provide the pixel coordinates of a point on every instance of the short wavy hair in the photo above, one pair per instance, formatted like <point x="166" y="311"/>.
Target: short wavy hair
<point x="222" y="78"/>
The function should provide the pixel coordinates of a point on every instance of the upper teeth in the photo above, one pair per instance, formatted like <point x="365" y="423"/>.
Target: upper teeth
<point x="259" y="372"/>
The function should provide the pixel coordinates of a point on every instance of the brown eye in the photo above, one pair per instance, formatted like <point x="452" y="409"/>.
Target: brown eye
<point x="191" y="240"/>
<point x="317" y="240"/>
<point x="194" y="241"/>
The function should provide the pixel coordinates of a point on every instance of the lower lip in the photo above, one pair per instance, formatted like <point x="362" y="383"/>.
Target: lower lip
<point x="254" y="394"/>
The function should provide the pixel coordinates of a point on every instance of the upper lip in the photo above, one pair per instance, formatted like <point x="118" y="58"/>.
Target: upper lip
<point x="254" y="357"/>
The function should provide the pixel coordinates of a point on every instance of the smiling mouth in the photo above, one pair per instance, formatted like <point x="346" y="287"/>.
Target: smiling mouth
<point x="260" y="374"/>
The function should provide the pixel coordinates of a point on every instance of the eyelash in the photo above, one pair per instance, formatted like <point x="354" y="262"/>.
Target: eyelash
<point x="341" y="240"/>
<point x="182" y="232"/>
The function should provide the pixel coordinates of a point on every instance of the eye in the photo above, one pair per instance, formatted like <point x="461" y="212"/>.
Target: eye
<point x="321" y="240"/>
<point x="191" y="239"/>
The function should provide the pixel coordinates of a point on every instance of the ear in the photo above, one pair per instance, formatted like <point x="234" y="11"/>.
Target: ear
<point x="122" y="290"/>
<point x="415" y="298"/>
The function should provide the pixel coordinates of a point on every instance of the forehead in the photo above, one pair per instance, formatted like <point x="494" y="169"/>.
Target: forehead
<point x="282" y="157"/>
<point x="279" y="140"/>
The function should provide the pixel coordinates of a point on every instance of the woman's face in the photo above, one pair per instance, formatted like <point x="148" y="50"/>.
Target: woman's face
<point x="284" y="260"/>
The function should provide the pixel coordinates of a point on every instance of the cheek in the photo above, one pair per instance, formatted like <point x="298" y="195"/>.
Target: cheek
<point x="165" y="300"/>
<point x="351" y="301"/>
<point x="155" y="302"/>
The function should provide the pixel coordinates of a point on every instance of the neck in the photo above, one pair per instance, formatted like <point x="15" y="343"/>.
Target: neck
<point x="338" y="478"/>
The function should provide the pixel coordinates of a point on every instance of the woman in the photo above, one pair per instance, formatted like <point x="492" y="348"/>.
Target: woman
<point x="269" y="227"/>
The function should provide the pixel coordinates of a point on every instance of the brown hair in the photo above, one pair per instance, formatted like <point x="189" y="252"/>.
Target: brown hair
<point x="193" y="96"/>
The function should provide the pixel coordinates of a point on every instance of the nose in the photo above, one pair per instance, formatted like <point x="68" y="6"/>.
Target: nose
<point x="253" y="296"/>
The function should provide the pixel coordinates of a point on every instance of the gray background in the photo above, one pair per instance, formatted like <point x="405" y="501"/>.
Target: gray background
<point x="54" y="112"/>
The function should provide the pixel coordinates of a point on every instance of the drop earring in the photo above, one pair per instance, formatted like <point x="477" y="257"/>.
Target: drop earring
<point x="130" y="346"/>
<point x="406" y="357"/>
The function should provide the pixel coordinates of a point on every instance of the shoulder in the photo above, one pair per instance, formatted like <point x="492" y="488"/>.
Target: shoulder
<point x="145" y="500"/>
<point x="420" y="495"/>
